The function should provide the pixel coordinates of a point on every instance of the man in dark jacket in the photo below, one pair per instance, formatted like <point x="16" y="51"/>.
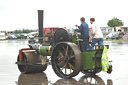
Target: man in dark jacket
<point x="83" y="29"/>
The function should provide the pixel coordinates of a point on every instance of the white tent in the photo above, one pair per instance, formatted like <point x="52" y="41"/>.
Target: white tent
<point x="2" y="36"/>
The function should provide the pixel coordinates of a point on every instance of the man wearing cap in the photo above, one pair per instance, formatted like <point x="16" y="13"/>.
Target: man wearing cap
<point x="83" y="29"/>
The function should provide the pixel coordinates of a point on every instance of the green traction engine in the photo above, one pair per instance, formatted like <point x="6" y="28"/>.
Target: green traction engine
<point x="63" y="53"/>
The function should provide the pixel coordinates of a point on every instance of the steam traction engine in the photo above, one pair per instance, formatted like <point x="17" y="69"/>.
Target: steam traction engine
<point x="66" y="58"/>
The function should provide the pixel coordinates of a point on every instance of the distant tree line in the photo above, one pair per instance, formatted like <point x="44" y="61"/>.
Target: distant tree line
<point x="24" y="30"/>
<point x="19" y="31"/>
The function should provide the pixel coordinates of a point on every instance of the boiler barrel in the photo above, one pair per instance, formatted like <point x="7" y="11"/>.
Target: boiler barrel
<point x="44" y="50"/>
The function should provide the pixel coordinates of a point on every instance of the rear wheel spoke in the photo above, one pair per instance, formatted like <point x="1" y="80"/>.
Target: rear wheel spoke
<point x="60" y="62"/>
<point x="64" y="49"/>
<point x="71" y="52"/>
<point x="67" y="51"/>
<point x="61" y="55"/>
<point x="65" y="69"/>
<point x="71" y="65"/>
<point x="72" y="56"/>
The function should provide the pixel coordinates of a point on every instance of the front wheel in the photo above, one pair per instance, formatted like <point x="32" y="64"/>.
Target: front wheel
<point x="30" y="57"/>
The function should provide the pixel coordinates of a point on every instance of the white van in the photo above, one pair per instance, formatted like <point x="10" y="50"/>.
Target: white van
<point x="115" y="35"/>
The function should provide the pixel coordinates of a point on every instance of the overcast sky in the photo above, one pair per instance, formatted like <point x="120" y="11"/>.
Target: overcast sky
<point x="18" y="14"/>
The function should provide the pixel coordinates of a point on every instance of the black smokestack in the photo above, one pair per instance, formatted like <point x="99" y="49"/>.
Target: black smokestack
<point x="40" y="25"/>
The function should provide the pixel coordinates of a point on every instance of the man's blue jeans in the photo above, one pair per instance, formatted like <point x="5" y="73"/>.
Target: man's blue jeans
<point x="96" y="40"/>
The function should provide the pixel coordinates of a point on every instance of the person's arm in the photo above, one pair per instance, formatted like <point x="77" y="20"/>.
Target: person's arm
<point x="80" y="28"/>
<point x="93" y="31"/>
<point x="93" y="35"/>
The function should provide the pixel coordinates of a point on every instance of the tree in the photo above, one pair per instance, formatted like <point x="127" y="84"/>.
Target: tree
<point x="115" y="22"/>
<point x="24" y="30"/>
<point x="17" y="31"/>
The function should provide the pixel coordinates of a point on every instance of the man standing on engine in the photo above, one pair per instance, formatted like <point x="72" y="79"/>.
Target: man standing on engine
<point x="97" y="34"/>
<point x="83" y="29"/>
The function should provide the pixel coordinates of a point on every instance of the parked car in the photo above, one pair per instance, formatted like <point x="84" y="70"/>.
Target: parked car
<point x="11" y="37"/>
<point x="115" y="35"/>
<point x="30" y="36"/>
<point x="23" y="36"/>
<point x="18" y="36"/>
<point x="121" y="34"/>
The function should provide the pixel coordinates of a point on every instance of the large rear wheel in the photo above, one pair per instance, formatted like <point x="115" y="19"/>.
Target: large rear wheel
<point x="66" y="59"/>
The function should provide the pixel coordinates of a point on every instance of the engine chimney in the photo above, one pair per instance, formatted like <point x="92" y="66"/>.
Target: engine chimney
<point x="40" y="25"/>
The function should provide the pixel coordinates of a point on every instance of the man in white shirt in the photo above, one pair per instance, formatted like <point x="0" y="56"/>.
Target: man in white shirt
<point x="97" y="34"/>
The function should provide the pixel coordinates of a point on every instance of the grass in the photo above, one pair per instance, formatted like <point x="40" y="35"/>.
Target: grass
<point x="115" y="40"/>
